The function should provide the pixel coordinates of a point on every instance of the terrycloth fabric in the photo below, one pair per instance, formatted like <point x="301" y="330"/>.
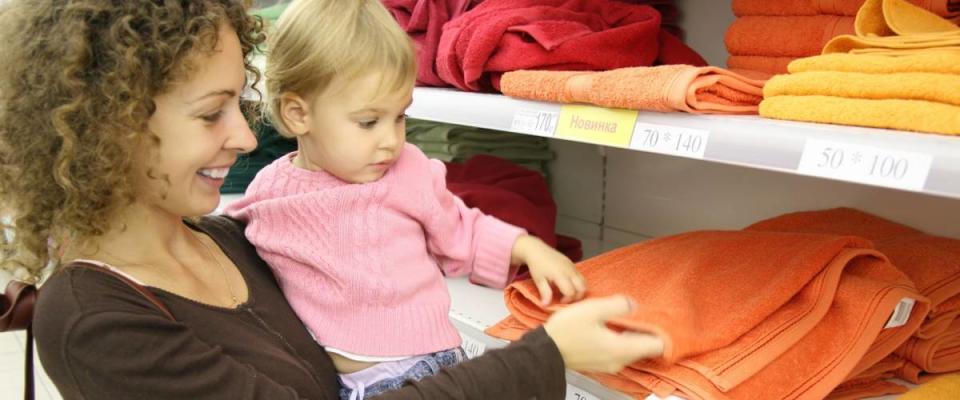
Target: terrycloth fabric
<point x="908" y="115"/>
<point x="865" y="389"/>
<point x="943" y="388"/>
<point x="939" y="62"/>
<point x="453" y="143"/>
<point x="747" y="341"/>
<point x="896" y="27"/>
<point x="701" y="90"/>
<point x="785" y="36"/>
<point x="507" y="35"/>
<point x="363" y="265"/>
<point x="423" y="20"/>
<point x="772" y="65"/>
<point x="944" y="8"/>
<point x="936" y="355"/>
<point x="932" y="87"/>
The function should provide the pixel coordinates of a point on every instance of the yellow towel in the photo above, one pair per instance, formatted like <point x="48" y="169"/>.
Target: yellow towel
<point x="940" y="88"/>
<point x="912" y="115"/>
<point x="943" y="388"/>
<point x="895" y="27"/>
<point x="945" y="62"/>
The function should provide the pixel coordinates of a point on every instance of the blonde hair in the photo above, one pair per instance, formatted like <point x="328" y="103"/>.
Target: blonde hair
<point x="318" y="41"/>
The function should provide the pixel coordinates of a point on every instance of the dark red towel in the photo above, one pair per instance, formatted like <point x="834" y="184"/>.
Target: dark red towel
<point x="513" y="194"/>
<point x="423" y="20"/>
<point x="508" y="35"/>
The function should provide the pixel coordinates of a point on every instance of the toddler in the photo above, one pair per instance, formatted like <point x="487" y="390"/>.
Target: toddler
<point x="357" y="225"/>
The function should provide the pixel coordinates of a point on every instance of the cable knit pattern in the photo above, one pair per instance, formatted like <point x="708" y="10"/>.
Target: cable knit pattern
<point x="363" y="264"/>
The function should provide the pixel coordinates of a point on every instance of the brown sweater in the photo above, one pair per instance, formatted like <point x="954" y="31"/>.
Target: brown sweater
<point x="99" y="339"/>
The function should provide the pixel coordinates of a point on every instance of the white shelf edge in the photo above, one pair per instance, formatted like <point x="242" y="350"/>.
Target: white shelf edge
<point x="747" y="141"/>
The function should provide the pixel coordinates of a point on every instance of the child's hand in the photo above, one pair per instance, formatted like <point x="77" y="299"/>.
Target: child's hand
<point x="548" y="266"/>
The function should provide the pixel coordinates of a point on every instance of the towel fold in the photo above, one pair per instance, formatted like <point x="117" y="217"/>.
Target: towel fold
<point x="740" y="312"/>
<point x="896" y="27"/>
<point x="943" y="388"/>
<point x="701" y="90"/>
<point x="784" y="36"/>
<point x="944" y="8"/>
<point x="908" y="115"/>
<point x="942" y="62"/>
<point x="423" y="20"/>
<point x="939" y="354"/>
<point x="771" y="65"/>
<point x="933" y="87"/>
<point x="867" y="388"/>
<point x="507" y="35"/>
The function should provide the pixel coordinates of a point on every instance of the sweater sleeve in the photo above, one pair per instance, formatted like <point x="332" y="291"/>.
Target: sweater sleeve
<point x="465" y="240"/>
<point x="527" y="369"/>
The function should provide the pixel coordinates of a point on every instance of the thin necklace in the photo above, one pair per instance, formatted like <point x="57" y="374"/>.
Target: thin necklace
<point x="223" y="271"/>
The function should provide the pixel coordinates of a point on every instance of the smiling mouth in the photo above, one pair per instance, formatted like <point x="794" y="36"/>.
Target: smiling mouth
<point x="214" y="173"/>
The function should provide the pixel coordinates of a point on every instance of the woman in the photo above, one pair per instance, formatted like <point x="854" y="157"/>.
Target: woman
<point x="118" y="120"/>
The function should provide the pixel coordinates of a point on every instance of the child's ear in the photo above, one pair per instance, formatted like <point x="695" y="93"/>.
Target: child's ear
<point x="295" y="111"/>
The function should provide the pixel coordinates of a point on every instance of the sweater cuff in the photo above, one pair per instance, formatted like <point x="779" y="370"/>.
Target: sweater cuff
<point x="495" y="240"/>
<point x="550" y="368"/>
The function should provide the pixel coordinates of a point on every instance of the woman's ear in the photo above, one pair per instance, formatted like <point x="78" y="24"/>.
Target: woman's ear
<point x="295" y="112"/>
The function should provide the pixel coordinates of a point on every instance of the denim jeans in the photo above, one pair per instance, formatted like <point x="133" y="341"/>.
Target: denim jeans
<point x="393" y="375"/>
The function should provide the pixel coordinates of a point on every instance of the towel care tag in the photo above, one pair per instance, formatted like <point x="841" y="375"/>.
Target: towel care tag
<point x="575" y="393"/>
<point x="471" y="346"/>
<point x="606" y="126"/>
<point x="865" y="164"/>
<point x="901" y="314"/>
<point x="672" y="140"/>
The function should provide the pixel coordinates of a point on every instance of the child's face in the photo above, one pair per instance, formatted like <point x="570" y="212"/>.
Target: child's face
<point x="356" y="134"/>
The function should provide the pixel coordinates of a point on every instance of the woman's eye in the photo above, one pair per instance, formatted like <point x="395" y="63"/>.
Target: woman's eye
<point x="367" y="124"/>
<point x="211" y="118"/>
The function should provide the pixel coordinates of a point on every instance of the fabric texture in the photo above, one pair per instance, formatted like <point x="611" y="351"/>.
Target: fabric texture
<point x="453" y="143"/>
<point x="943" y="388"/>
<point x="923" y="86"/>
<point x="935" y="62"/>
<point x="943" y="8"/>
<point x="908" y="115"/>
<point x="99" y="339"/>
<point x="500" y="36"/>
<point x="767" y="64"/>
<point x="384" y="377"/>
<point x="747" y="332"/>
<point x="666" y="88"/>
<point x="423" y="20"/>
<point x="795" y="36"/>
<point x="896" y="27"/>
<point x="363" y="265"/>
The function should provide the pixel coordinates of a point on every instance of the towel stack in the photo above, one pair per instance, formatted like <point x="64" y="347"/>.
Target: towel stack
<point x="469" y="45"/>
<point x="931" y="262"/>
<point x="901" y="70"/>
<point x="746" y="314"/>
<point x="669" y="14"/>
<point x="460" y="143"/>
<point x="768" y="35"/>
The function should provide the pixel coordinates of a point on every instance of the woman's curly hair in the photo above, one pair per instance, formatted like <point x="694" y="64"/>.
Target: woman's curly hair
<point x="77" y="83"/>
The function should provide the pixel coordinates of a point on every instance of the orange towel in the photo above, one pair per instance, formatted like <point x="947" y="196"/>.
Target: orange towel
<point x="773" y="65"/>
<point x="785" y="36"/>
<point x="872" y="382"/>
<point x="926" y="86"/>
<point x="943" y="388"/>
<point x="908" y="115"/>
<point x="700" y="90"/>
<point x="787" y="289"/>
<point x="896" y="27"/>
<point x="832" y="7"/>
<point x="940" y="354"/>
<point x="940" y="62"/>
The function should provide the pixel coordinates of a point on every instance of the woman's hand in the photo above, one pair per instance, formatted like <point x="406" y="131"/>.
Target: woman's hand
<point x="549" y="266"/>
<point x="585" y="342"/>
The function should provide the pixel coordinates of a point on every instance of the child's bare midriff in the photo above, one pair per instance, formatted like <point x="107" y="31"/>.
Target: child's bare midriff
<point x="347" y="366"/>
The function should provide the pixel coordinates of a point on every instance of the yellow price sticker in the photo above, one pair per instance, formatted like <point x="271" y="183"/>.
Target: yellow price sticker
<point x="606" y="126"/>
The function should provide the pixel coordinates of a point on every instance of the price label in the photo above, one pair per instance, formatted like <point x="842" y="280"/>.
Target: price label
<point x="606" y="126"/>
<point x="865" y="164"/>
<point x="471" y="346"/>
<point x="575" y="393"/>
<point x="531" y="122"/>
<point x="672" y="140"/>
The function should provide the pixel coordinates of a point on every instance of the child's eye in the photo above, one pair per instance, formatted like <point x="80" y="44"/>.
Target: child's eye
<point x="367" y="124"/>
<point x="211" y="118"/>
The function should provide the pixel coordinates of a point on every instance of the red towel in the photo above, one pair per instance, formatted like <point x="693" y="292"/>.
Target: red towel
<point x="785" y="36"/>
<point x="507" y="35"/>
<point x="772" y="65"/>
<point x="423" y="20"/>
<point x="943" y="8"/>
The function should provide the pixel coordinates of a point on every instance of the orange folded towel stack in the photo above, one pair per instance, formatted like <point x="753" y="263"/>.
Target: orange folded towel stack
<point x="931" y="262"/>
<point x="746" y="314"/>
<point x="768" y="35"/>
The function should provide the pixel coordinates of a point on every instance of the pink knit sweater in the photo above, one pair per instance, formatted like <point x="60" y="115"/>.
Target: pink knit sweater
<point x="362" y="265"/>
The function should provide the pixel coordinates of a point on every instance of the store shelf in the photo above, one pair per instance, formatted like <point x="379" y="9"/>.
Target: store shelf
<point x="914" y="162"/>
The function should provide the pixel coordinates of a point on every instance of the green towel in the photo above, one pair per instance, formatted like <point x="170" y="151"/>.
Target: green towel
<point x="475" y="145"/>
<point x="427" y="131"/>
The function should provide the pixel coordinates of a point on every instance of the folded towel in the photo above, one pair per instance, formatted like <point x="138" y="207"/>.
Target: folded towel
<point x="507" y="35"/>
<point x="933" y="87"/>
<point x="896" y="27"/>
<point x="936" y="355"/>
<point x="910" y="115"/>
<point x="944" y="8"/>
<point x="867" y="388"/>
<point x="943" y="388"/>
<point x="943" y="62"/>
<point x="701" y="90"/>
<point x="423" y="20"/>
<point x="785" y="36"/>
<point x="772" y="65"/>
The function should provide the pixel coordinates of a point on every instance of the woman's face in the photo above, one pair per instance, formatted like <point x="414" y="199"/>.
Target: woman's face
<point x="201" y="132"/>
